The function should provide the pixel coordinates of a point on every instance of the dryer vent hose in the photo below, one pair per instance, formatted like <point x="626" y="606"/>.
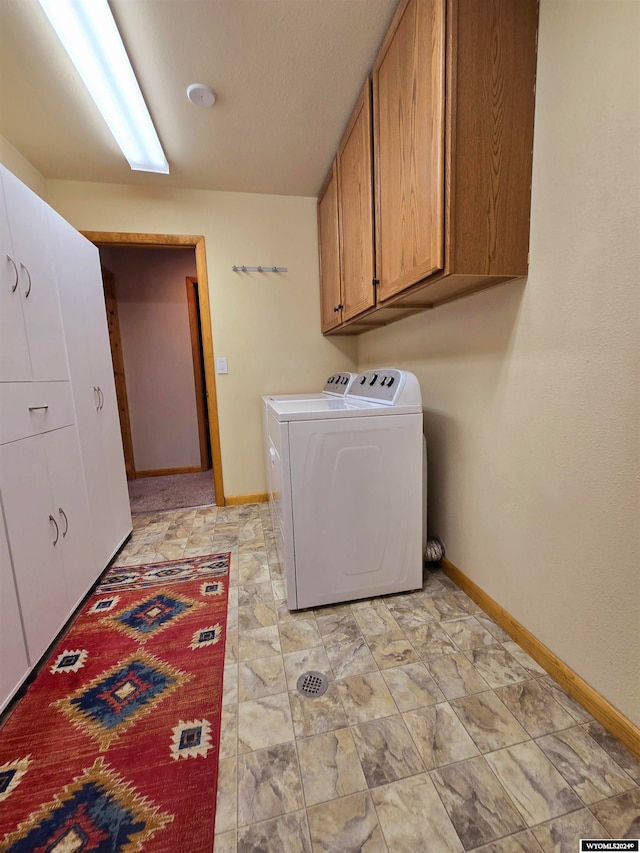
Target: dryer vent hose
<point x="434" y="551"/>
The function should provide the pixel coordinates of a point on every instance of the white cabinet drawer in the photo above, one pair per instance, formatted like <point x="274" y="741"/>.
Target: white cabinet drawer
<point x="29" y="408"/>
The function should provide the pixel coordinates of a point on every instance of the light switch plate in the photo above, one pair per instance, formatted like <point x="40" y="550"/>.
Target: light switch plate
<point x="221" y="365"/>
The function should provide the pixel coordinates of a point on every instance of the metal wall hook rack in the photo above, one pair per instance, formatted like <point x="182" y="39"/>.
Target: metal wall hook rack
<point x="242" y="268"/>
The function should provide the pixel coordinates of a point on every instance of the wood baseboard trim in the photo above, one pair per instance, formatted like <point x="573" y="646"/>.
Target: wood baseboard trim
<point x="163" y="472"/>
<point x="603" y="711"/>
<point x="239" y="500"/>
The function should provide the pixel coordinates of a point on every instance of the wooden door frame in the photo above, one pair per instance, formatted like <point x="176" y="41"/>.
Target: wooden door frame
<point x="193" y="298"/>
<point x="184" y="241"/>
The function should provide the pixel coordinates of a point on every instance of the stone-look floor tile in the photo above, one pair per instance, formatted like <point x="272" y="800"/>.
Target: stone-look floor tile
<point x="412" y="618"/>
<point x="255" y="593"/>
<point x="430" y="641"/>
<point x="494" y="629"/>
<point x="268" y="784"/>
<point x="180" y="531"/>
<point x="330" y="767"/>
<point x="446" y="606"/>
<point x="534" y="784"/>
<point x="579" y="714"/>
<point x="124" y="559"/>
<point x="253" y="567"/>
<point x="200" y="539"/>
<point x="413" y="818"/>
<point x="563" y="834"/>
<point x="350" y="659"/>
<point x="456" y="676"/>
<point x="278" y="589"/>
<point x="525" y="660"/>
<point x="349" y="823"/>
<point x="375" y="618"/>
<point x="468" y="633"/>
<point x="228" y="731"/>
<point x="490" y="724"/>
<point x="230" y="684"/>
<point x="313" y="715"/>
<point x="227" y="795"/>
<point x="226" y="842"/>
<point x="521" y="842"/>
<point x="590" y="771"/>
<point x="439" y="735"/>
<point x="259" y="643"/>
<point x="391" y="649"/>
<point x="412" y="686"/>
<point x="620" y="816"/>
<point x="387" y="752"/>
<point x="308" y="660"/>
<point x="261" y="614"/>
<point x="286" y="834"/>
<point x="261" y="677"/>
<point x="231" y="645"/>
<point x="299" y="634"/>
<point x="497" y="666"/>
<point x="535" y="708"/>
<point x="366" y="697"/>
<point x="338" y="627"/>
<point x="479" y="807"/>
<point x="617" y="750"/>
<point x="264" y="722"/>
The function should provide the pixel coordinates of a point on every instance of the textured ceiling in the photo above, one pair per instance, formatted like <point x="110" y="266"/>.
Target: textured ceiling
<point x="286" y="74"/>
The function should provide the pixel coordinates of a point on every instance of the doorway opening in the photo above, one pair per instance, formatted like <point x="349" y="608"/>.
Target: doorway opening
<point x="201" y="348"/>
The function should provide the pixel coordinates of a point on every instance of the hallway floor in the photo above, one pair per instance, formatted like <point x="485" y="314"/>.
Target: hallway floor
<point x="437" y="732"/>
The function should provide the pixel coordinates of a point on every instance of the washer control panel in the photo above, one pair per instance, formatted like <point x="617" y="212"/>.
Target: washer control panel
<point x="339" y="383"/>
<point x="388" y="386"/>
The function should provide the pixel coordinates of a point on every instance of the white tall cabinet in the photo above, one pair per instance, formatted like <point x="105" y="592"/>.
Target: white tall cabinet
<point x="63" y="490"/>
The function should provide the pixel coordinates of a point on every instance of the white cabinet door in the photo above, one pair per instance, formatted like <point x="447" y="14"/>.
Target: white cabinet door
<point x="84" y="316"/>
<point x="35" y="539"/>
<point x="71" y="511"/>
<point x="14" y="664"/>
<point x="29" y="231"/>
<point x="15" y="364"/>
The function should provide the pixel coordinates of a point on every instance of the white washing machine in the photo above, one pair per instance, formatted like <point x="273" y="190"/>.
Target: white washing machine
<point x="345" y="479"/>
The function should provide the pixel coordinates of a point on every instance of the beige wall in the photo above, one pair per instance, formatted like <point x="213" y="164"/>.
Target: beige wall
<point x="530" y="390"/>
<point x="156" y="346"/>
<point x="267" y="325"/>
<point x="22" y="168"/>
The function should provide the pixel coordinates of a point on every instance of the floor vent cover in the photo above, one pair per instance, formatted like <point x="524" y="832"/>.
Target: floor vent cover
<point x="312" y="684"/>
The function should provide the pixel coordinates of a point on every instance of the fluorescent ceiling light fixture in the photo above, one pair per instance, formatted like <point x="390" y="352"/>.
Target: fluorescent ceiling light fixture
<point x="89" y="34"/>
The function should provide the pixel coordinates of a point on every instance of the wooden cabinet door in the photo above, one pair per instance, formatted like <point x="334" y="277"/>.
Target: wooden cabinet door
<point x="329" y="250"/>
<point x="35" y="539"/>
<point x="14" y="663"/>
<point x="355" y="200"/>
<point x="408" y="108"/>
<point x="29" y="229"/>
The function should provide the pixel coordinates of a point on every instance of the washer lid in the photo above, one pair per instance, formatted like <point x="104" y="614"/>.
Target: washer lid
<point x="338" y="407"/>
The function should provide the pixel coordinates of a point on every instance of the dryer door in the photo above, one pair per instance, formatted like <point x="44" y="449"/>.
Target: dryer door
<point x="357" y="506"/>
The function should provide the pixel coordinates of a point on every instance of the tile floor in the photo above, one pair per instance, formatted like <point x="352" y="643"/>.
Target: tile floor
<point x="437" y="732"/>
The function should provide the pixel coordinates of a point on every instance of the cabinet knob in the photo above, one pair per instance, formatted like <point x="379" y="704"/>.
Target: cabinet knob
<point x="338" y="308"/>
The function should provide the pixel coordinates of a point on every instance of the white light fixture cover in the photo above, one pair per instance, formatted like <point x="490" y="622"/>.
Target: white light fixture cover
<point x="89" y="34"/>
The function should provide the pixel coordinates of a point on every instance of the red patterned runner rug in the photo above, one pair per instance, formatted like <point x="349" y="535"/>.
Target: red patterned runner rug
<point x="114" y="746"/>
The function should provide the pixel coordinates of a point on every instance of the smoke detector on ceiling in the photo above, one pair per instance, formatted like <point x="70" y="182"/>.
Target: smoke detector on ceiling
<point x="201" y="95"/>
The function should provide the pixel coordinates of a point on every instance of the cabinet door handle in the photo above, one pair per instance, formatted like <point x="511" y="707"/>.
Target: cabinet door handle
<point x="66" y="521"/>
<point x="96" y="392"/>
<point x="15" y="269"/>
<point x="55" y="524"/>
<point x="28" y="291"/>
<point x="101" y="397"/>
<point x="37" y="408"/>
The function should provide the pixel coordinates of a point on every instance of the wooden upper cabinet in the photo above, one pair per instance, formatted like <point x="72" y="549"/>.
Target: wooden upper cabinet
<point x="409" y="121"/>
<point x="329" y="252"/>
<point x="355" y="210"/>
<point x="452" y="115"/>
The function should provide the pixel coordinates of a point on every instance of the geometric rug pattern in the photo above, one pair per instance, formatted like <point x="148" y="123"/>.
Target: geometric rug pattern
<point x="114" y="746"/>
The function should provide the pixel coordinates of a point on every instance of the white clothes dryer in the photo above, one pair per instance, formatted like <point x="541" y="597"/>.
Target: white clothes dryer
<point x="336" y="385"/>
<point x="345" y="489"/>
